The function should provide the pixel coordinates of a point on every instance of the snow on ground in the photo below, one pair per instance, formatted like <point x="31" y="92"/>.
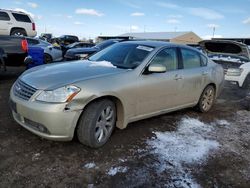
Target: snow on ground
<point x="188" y="145"/>
<point x="101" y="64"/>
<point x="90" y="165"/>
<point x="222" y="122"/>
<point x="119" y="169"/>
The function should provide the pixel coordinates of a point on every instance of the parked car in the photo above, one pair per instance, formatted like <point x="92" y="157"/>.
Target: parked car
<point x="16" y="23"/>
<point x="126" y="82"/>
<point x="67" y="39"/>
<point x="15" y="50"/>
<point x="46" y="37"/>
<point x="233" y="56"/>
<point x="79" y="53"/>
<point x="77" y="45"/>
<point x="51" y="53"/>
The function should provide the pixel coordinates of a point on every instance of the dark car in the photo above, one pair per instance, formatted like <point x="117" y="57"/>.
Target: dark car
<point x="67" y="39"/>
<point x="77" y="45"/>
<point x="79" y="53"/>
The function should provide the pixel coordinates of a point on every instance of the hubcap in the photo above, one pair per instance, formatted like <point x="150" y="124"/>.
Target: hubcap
<point x="104" y="124"/>
<point x="207" y="99"/>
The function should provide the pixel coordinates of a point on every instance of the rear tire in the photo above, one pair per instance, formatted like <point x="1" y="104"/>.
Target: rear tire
<point x="47" y="59"/>
<point x="97" y="123"/>
<point x="18" y="32"/>
<point x="207" y="99"/>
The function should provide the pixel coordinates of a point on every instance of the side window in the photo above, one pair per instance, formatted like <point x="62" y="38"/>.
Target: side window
<point x="4" y="16"/>
<point x="203" y="60"/>
<point x="190" y="58"/>
<point x="167" y="57"/>
<point x="32" y="41"/>
<point x="21" y="17"/>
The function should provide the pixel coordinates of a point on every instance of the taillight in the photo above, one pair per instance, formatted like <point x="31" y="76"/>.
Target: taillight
<point x="24" y="44"/>
<point x="33" y="26"/>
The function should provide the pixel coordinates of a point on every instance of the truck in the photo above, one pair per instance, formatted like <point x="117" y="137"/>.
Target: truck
<point x="14" y="50"/>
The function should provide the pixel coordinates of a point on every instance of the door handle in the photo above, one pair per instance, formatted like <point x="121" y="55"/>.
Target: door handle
<point x="204" y="73"/>
<point x="177" y="77"/>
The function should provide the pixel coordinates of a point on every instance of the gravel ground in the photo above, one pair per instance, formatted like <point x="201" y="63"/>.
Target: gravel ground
<point x="180" y="149"/>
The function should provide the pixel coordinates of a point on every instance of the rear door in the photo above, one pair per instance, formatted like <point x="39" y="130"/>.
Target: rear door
<point x="23" y="21"/>
<point x="194" y="76"/>
<point x="5" y="23"/>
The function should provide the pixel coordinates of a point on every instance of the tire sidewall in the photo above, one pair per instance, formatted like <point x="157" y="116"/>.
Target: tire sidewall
<point x="200" y="101"/>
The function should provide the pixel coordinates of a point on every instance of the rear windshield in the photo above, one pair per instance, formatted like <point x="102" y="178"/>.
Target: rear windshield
<point x="123" y="55"/>
<point x="21" y="17"/>
<point x="222" y="48"/>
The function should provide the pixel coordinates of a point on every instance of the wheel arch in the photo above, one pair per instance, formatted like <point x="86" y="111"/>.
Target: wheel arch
<point x="15" y="28"/>
<point x="120" y="121"/>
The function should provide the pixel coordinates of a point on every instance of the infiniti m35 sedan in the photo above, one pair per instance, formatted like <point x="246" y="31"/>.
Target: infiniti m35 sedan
<point x="125" y="82"/>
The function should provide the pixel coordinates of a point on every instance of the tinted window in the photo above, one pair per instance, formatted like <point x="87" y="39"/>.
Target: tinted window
<point x="21" y="17"/>
<point x="167" y="57"/>
<point x="123" y="55"/>
<point x="191" y="59"/>
<point x="4" y="16"/>
<point x="203" y="60"/>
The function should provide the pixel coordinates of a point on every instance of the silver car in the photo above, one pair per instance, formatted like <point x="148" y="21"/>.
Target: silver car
<point x="125" y="82"/>
<point x="51" y="53"/>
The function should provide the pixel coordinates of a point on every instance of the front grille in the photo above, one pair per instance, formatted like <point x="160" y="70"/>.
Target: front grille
<point x="23" y="90"/>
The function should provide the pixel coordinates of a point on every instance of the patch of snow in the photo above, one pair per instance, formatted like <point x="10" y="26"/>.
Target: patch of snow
<point x="90" y="165"/>
<point x="222" y="122"/>
<point x="188" y="145"/>
<point x="35" y="156"/>
<point x="101" y="64"/>
<point x="221" y="58"/>
<point x="114" y="170"/>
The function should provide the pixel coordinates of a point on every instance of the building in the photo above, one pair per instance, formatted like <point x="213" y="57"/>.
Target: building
<point x="175" y="37"/>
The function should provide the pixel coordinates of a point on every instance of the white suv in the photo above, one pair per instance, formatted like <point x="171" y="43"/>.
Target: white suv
<point x="16" y="23"/>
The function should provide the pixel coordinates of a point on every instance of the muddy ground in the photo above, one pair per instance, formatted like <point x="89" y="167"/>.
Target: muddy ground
<point x="180" y="149"/>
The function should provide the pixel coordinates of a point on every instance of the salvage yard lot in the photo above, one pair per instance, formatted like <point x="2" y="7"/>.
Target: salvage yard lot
<point x="180" y="149"/>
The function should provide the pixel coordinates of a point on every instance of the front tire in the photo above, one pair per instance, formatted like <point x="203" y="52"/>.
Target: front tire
<point x="207" y="99"/>
<point x="97" y="123"/>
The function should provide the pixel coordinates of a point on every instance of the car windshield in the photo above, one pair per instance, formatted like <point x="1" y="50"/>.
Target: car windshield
<point x="123" y="55"/>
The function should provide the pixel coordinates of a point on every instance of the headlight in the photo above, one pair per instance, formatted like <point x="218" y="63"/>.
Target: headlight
<point x="60" y="95"/>
<point x="82" y="56"/>
<point x="234" y="72"/>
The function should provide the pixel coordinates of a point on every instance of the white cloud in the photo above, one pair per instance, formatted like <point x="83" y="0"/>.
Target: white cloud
<point x="78" y="23"/>
<point x="173" y="21"/>
<point x="132" y="5"/>
<point x="175" y="16"/>
<point x="213" y="25"/>
<point x="205" y="13"/>
<point x="69" y="16"/>
<point x="134" y="27"/>
<point x="167" y="5"/>
<point x="137" y="14"/>
<point x="246" y="21"/>
<point x="91" y="12"/>
<point x="32" y="5"/>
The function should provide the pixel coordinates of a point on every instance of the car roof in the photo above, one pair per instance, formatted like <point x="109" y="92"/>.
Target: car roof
<point x="159" y="44"/>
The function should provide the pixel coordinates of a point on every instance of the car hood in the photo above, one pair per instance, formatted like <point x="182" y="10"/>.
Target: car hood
<point x="225" y="48"/>
<point x="57" y="75"/>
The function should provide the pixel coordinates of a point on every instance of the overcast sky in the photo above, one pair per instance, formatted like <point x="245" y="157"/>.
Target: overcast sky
<point x="90" y="18"/>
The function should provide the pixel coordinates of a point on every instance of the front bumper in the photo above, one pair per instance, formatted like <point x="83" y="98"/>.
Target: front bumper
<point x="234" y="79"/>
<point x="50" y="121"/>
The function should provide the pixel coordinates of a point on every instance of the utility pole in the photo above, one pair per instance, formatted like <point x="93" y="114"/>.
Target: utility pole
<point x="213" y="31"/>
<point x="144" y="28"/>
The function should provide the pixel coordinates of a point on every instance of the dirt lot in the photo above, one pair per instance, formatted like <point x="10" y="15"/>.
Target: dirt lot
<point x="180" y="149"/>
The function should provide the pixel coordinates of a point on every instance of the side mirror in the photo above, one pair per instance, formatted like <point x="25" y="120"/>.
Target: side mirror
<point x="157" y="68"/>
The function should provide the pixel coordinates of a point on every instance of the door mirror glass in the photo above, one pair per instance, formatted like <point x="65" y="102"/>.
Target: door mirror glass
<point x="157" y="68"/>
